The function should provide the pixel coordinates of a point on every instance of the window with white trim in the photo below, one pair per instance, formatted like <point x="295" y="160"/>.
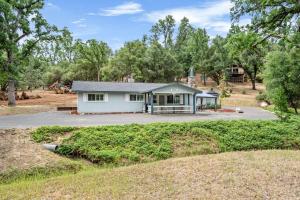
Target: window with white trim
<point x="154" y="98"/>
<point x="95" y="97"/>
<point x="170" y="99"/>
<point x="136" y="97"/>
<point x="177" y="99"/>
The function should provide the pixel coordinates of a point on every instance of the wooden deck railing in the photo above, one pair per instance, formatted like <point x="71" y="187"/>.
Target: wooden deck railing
<point x="171" y="109"/>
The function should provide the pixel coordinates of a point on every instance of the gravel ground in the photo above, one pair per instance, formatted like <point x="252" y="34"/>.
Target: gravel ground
<point x="66" y="119"/>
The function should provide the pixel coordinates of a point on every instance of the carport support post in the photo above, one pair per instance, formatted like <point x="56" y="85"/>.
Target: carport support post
<point x="194" y="103"/>
<point x="201" y="105"/>
<point x="145" y="102"/>
<point x="215" y="104"/>
<point x="151" y="103"/>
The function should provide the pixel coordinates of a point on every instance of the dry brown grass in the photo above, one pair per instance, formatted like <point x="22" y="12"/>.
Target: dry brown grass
<point x="5" y="110"/>
<point x="237" y="175"/>
<point x="242" y="94"/>
<point x="17" y="151"/>
<point x="49" y="101"/>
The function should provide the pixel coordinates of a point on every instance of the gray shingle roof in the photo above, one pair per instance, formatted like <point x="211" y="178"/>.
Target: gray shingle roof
<point x="92" y="86"/>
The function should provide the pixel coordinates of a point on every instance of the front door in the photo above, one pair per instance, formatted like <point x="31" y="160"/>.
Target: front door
<point x="161" y="100"/>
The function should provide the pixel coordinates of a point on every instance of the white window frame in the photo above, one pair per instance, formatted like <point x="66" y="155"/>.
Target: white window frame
<point x="86" y="97"/>
<point x="136" y="97"/>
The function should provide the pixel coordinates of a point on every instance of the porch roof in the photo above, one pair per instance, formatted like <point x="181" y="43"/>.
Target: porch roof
<point x="173" y="86"/>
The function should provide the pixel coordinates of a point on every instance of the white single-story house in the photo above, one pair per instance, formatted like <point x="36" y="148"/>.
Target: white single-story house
<point x="120" y="97"/>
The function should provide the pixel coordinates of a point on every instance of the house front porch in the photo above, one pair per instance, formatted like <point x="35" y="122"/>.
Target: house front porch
<point x="170" y="103"/>
<point x="174" y="98"/>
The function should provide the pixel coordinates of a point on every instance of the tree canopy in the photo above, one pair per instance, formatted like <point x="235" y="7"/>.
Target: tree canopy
<point x="22" y="27"/>
<point x="270" y="17"/>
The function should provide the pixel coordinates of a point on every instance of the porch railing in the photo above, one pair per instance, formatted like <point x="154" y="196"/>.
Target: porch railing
<point x="171" y="109"/>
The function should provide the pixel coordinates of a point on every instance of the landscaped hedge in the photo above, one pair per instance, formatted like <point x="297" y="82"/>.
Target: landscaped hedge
<point x="122" y="144"/>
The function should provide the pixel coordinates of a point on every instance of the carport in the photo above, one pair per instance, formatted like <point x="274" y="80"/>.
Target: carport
<point x="202" y="100"/>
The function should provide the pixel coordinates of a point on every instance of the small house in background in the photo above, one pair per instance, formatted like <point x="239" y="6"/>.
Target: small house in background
<point x="236" y="74"/>
<point x="120" y="97"/>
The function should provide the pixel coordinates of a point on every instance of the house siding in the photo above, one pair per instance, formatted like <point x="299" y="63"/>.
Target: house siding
<point x="116" y="102"/>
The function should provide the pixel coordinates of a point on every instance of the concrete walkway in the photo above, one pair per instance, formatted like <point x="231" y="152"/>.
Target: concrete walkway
<point x="66" y="119"/>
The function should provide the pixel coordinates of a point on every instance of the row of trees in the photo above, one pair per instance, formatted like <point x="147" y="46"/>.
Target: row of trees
<point x="162" y="56"/>
<point x="278" y="23"/>
<point x="34" y="53"/>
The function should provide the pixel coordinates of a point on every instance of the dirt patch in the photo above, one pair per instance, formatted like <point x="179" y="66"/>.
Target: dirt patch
<point x="48" y="101"/>
<point x="47" y="98"/>
<point x="5" y="110"/>
<point x="242" y="94"/>
<point x="19" y="152"/>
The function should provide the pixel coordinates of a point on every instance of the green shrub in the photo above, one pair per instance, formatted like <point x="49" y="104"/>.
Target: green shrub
<point x="47" y="133"/>
<point x="125" y="144"/>
<point x="262" y="96"/>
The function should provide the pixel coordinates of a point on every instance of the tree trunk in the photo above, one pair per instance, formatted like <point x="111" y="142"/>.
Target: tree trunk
<point x="98" y="75"/>
<point x="253" y="84"/>
<point x="204" y="79"/>
<point x="11" y="93"/>
<point x="293" y="105"/>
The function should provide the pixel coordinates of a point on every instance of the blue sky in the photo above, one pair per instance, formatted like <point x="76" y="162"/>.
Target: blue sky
<point x="118" y="21"/>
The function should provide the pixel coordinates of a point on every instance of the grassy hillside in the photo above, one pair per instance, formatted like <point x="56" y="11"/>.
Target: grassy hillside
<point x="127" y="144"/>
<point x="236" y="175"/>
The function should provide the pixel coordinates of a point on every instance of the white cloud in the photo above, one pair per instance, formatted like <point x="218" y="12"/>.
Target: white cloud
<point x="52" y="6"/>
<point x="80" y="23"/>
<point x="128" y="8"/>
<point x="212" y="16"/>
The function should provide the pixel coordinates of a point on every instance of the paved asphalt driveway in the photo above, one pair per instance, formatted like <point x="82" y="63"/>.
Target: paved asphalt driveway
<point x="66" y="119"/>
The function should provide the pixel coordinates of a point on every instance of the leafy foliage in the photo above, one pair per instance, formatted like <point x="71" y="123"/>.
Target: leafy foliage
<point x="282" y="75"/>
<point x="272" y="17"/>
<point x="218" y="59"/>
<point x="22" y="27"/>
<point x="142" y="143"/>
<point x="46" y="134"/>
<point x="246" y="51"/>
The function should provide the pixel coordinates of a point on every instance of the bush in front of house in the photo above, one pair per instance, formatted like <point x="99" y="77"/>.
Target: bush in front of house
<point x="125" y="144"/>
<point x="262" y="96"/>
<point x="48" y="133"/>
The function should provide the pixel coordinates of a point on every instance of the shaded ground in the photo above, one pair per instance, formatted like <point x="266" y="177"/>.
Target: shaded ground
<point x="19" y="152"/>
<point x="49" y="101"/>
<point x="66" y="119"/>
<point x="236" y="175"/>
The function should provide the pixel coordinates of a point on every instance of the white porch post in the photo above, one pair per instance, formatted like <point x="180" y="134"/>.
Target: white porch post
<point x="194" y="103"/>
<point x="151" y="103"/>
